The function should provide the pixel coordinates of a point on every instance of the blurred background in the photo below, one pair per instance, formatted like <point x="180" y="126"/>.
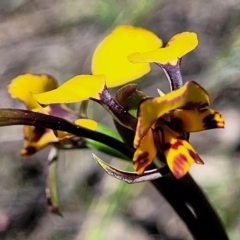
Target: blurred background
<point x="58" y="38"/>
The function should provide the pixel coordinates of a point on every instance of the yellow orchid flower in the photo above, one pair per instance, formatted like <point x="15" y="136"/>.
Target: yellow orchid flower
<point x="167" y="118"/>
<point x="36" y="137"/>
<point x="162" y="125"/>
<point x="110" y="66"/>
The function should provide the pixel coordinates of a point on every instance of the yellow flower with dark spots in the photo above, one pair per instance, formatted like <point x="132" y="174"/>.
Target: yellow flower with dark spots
<point x="163" y="123"/>
<point x="23" y="87"/>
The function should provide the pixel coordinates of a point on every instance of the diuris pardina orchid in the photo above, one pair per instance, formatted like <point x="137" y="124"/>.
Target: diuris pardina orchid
<point x="168" y="117"/>
<point x="157" y="127"/>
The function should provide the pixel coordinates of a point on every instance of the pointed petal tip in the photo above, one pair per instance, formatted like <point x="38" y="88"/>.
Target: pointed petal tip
<point x="128" y="177"/>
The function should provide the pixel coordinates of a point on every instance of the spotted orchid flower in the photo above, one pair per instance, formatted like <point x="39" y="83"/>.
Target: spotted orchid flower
<point x="162" y="124"/>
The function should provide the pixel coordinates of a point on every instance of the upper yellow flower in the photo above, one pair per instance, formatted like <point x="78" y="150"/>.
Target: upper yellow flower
<point x="162" y="125"/>
<point x="110" y="66"/>
<point x="178" y="46"/>
<point x="162" y="122"/>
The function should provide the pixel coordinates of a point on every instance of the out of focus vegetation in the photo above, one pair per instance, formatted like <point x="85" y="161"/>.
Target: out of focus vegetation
<point x="58" y="38"/>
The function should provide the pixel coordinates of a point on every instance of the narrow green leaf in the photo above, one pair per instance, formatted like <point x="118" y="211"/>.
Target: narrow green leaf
<point x="51" y="188"/>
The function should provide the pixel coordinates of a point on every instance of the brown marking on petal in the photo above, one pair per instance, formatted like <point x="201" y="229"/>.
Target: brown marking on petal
<point x="208" y="118"/>
<point x="141" y="163"/>
<point x="209" y="121"/>
<point x="194" y="105"/>
<point x="211" y="125"/>
<point x="176" y="145"/>
<point x="196" y="157"/>
<point x="37" y="134"/>
<point x="176" y="124"/>
<point x="178" y="165"/>
<point x="189" y="104"/>
<point x="158" y="138"/>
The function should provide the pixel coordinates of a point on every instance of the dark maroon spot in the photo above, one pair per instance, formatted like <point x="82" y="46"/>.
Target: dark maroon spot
<point x="211" y="124"/>
<point x="209" y="121"/>
<point x="176" y="124"/>
<point x="192" y="105"/>
<point x="30" y="150"/>
<point x="176" y="145"/>
<point x="208" y="118"/>
<point x="38" y="133"/>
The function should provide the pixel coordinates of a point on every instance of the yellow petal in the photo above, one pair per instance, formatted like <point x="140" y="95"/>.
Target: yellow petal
<point x="23" y="86"/>
<point x="145" y="153"/>
<point x="87" y="123"/>
<point x="78" y="88"/>
<point x="179" y="153"/>
<point x="190" y="96"/>
<point x="36" y="138"/>
<point x="111" y="55"/>
<point x="197" y="120"/>
<point x="177" y="47"/>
